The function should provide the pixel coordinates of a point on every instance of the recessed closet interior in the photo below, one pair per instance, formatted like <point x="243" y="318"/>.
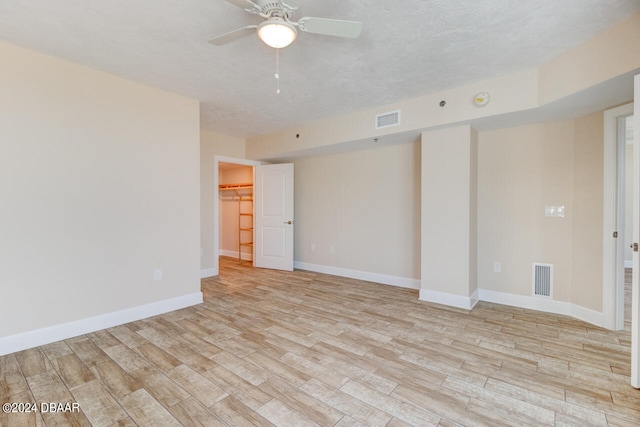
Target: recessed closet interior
<point x="236" y="210"/>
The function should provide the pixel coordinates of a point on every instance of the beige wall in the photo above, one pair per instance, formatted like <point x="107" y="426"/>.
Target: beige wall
<point x="515" y="92"/>
<point x="99" y="178"/>
<point x="588" y="200"/>
<point x="366" y="205"/>
<point x="520" y="171"/>
<point x="449" y="205"/>
<point x="212" y="144"/>
<point x="341" y="198"/>
<point x="611" y="53"/>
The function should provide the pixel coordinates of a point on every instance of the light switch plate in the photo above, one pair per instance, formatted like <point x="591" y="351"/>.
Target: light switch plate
<point x="554" y="211"/>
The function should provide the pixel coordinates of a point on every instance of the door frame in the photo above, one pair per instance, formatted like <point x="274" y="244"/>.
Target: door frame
<point x="613" y="220"/>
<point x="216" y="204"/>
<point x="635" y="282"/>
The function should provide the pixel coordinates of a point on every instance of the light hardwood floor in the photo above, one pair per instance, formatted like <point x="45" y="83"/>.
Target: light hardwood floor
<point x="298" y="349"/>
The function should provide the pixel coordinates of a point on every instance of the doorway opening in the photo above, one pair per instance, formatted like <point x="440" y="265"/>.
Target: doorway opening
<point x="236" y="211"/>
<point x="617" y="216"/>
<point x="227" y="163"/>
<point x="273" y="214"/>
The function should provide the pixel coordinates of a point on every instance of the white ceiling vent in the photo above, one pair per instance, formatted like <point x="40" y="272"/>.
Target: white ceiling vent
<point x="542" y="279"/>
<point x="388" y="119"/>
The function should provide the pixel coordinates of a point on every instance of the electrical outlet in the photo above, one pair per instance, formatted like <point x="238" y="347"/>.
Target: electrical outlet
<point x="331" y="250"/>
<point x="313" y="247"/>
<point x="157" y="274"/>
<point x="497" y="267"/>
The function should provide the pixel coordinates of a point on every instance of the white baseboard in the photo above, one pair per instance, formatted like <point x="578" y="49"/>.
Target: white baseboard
<point x="43" y="336"/>
<point x="458" y="301"/>
<point x="587" y="315"/>
<point x="402" y="282"/>
<point x="234" y="254"/>
<point x="543" y="304"/>
<point x="208" y="272"/>
<point x="224" y="252"/>
<point x="628" y="263"/>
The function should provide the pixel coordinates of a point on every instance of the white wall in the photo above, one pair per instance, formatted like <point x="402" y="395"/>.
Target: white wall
<point x="99" y="180"/>
<point x="366" y="206"/>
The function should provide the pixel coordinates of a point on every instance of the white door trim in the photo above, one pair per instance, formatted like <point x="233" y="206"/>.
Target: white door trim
<point x="635" y="282"/>
<point x="216" y="204"/>
<point x="612" y="299"/>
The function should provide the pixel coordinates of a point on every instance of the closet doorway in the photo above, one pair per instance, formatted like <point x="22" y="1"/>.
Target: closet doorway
<point x="272" y="205"/>
<point x="229" y="170"/>
<point x="236" y="211"/>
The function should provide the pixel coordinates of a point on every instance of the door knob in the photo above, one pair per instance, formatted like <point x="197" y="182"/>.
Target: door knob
<point x="288" y="222"/>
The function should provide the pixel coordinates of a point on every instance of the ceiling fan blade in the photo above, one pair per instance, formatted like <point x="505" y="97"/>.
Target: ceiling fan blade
<point x="291" y="4"/>
<point x="330" y="27"/>
<point x="233" y="35"/>
<point x="247" y="5"/>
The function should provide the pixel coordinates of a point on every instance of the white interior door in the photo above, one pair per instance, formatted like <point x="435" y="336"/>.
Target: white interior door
<point x="635" y="283"/>
<point x="274" y="216"/>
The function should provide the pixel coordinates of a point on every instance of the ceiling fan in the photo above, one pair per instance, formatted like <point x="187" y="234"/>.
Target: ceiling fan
<point x="279" y="30"/>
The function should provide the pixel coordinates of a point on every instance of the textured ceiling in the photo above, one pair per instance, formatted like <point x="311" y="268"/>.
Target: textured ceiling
<point x="407" y="48"/>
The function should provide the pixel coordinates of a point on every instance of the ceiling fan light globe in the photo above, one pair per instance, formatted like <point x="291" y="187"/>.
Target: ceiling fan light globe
<point x="277" y="33"/>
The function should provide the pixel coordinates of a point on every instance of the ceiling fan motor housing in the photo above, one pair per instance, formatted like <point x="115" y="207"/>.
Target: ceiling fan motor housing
<point x="275" y="9"/>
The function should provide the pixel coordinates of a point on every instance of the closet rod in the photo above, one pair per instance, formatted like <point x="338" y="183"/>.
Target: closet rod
<point x="235" y="186"/>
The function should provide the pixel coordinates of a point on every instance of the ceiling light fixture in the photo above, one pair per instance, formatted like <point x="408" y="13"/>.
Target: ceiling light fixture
<point x="277" y="33"/>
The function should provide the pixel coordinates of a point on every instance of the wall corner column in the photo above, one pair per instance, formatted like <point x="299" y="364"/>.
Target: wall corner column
<point x="449" y="217"/>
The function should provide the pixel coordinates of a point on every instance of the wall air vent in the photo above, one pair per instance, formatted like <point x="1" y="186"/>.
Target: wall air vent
<point x="542" y="279"/>
<point x="388" y="119"/>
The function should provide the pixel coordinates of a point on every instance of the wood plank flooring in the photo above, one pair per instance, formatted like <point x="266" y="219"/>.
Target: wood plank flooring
<point x="304" y="349"/>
